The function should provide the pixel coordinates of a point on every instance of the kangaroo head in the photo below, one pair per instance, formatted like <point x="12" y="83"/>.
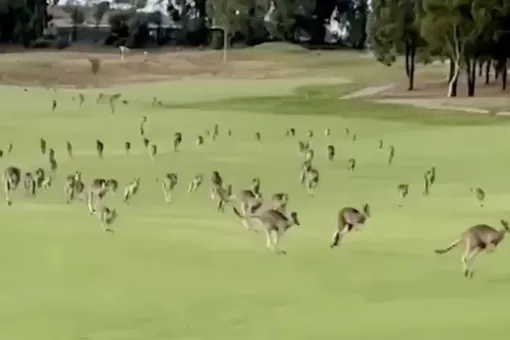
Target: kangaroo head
<point x="294" y="217"/>
<point x="504" y="223"/>
<point x="366" y="210"/>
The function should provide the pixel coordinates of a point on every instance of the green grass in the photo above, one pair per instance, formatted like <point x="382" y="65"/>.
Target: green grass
<point x="314" y="100"/>
<point x="185" y="271"/>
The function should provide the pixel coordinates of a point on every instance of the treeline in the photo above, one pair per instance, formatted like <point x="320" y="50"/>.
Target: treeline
<point x="472" y="35"/>
<point x="248" y="21"/>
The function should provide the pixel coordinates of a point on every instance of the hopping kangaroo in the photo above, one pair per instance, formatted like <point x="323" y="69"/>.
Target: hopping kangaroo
<point x="168" y="184"/>
<point x="96" y="190"/>
<point x="131" y="189"/>
<point x="275" y="223"/>
<point x="11" y="178"/>
<point x="249" y="203"/>
<point x="30" y="184"/>
<point x="476" y="239"/>
<point x="348" y="218"/>
<point x="223" y="196"/>
<point x="106" y="216"/>
<point x="217" y="182"/>
<point x="195" y="183"/>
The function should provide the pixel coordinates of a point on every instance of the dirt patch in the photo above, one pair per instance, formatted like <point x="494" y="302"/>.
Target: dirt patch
<point x="367" y="91"/>
<point x="52" y="68"/>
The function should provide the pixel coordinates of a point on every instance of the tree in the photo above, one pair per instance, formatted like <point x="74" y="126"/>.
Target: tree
<point x="77" y="15"/>
<point x="226" y="15"/>
<point x="100" y="10"/>
<point x="392" y="30"/>
<point x="454" y="27"/>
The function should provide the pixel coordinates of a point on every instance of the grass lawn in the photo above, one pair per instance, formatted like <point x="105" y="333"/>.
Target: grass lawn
<point x="185" y="271"/>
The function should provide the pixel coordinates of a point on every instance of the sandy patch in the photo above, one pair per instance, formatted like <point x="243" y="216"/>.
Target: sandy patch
<point x="439" y="104"/>
<point x="367" y="91"/>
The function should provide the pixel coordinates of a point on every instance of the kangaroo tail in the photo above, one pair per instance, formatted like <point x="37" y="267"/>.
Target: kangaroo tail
<point x="447" y="249"/>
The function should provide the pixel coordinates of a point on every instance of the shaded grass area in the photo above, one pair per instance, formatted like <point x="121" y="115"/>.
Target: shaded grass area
<point x="324" y="100"/>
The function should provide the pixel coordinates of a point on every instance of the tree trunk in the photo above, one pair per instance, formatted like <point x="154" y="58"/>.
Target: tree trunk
<point x="504" y="72"/>
<point x="407" y="50"/>
<point x="487" y="72"/>
<point x="496" y="70"/>
<point x="412" y="60"/>
<point x="471" y="77"/>
<point x="453" y="79"/>
<point x="480" y="68"/>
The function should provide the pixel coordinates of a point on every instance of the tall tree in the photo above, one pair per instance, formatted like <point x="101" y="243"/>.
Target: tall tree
<point x="227" y="15"/>
<point x="100" y="10"/>
<point x="392" y="30"/>
<point x="455" y="27"/>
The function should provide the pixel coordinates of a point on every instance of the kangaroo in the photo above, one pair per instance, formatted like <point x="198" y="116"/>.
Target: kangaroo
<point x="43" y="145"/>
<point x="255" y="186"/>
<point x="177" y="141"/>
<point x="40" y="176"/>
<point x="216" y="131"/>
<point x="30" y="184"/>
<point x="432" y="176"/>
<point x="11" y="178"/>
<point x="305" y="167"/>
<point x="275" y="223"/>
<point x="223" y="196"/>
<point x="113" y="99"/>
<point x="476" y="239"/>
<point x="403" y="190"/>
<point x="381" y="144"/>
<point x="53" y="165"/>
<point x="143" y="121"/>
<point x="290" y="132"/>
<point x="127" y="147"/>
<point x="131" y="189"/>
<point x="99" y="148"/>
<point x="257" y="136"/>
<point x="53" y="105"/>
<point x="195" y="183"/>
<point x="303" y="146"/>
<point x="146" y="142"/>
<point x="479" y="195"/>
<point x="96" y="190"/>
<point x="310" y="133"/>
<point x="391" y="154"/>
<point x="309" y="154"/>
<point x="69" y="149"/>
<point x="249" y="203"/>
<point x="331" y="152"/>
<point x="81" y="97"/>
<point x="112" y="185"/>
<point x="70" y="186"/>
<point x="349" y="218"/>
<point x="200" y="140"/>
<point x="311" y="180"/>
<point x="351" y="164"/>
<point x="217" y="182"/>
<point x="426" y="183"/>
<point x="168" y="184"/>
<point x="106" y="217"/>
<point x="153" y="150"/>
<point x="327" y="132"/>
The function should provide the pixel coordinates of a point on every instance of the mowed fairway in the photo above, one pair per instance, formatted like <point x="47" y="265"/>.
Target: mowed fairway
<point x="184" y="271"/>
